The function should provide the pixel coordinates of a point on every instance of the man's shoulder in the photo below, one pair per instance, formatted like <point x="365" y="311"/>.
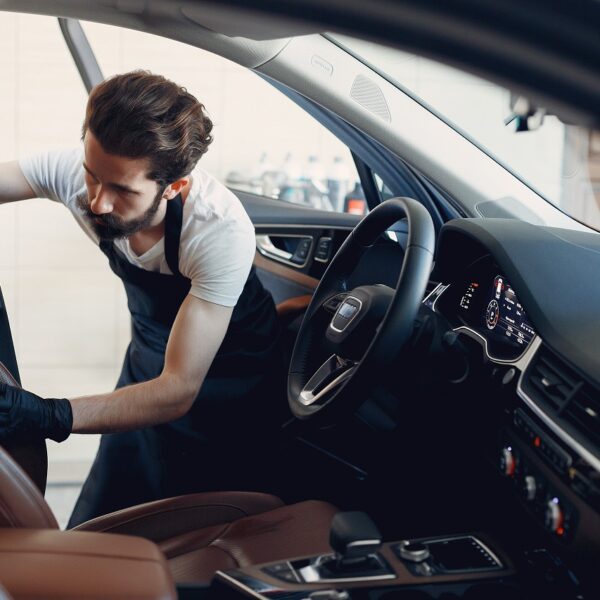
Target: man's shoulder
<point x="217" y="234"/>
<point x="56" y="174"/>
<point x="211" y="204"/>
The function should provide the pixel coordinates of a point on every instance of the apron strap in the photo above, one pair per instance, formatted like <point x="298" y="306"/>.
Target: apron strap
<point x="173" y="223"/>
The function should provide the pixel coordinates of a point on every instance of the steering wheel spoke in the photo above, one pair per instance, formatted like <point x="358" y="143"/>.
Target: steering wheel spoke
<point x="332" y="303"/>
<point x="331" y="374"/>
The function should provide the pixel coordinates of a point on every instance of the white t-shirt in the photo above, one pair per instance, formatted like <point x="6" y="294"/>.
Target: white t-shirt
<point x="217" y="237"/>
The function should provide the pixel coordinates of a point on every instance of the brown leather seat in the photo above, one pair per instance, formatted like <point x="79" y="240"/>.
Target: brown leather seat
<point x="31" y="456"/>
<point x="198" y="533"/>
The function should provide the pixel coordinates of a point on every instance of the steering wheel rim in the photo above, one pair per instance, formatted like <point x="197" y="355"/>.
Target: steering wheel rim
<point x="344" y="389"/>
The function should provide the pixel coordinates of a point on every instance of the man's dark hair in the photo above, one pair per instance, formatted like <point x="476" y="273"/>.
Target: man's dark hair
<point x="141" y="115"/>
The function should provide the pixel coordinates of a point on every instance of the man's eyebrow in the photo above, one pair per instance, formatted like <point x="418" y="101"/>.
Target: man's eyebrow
<point x="117" y="186"/>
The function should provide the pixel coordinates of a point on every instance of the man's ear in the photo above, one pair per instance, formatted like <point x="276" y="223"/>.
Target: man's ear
<point x="175" y="188"/>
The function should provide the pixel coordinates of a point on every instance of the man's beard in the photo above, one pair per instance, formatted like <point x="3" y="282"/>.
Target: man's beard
<point x="109" y="227"/>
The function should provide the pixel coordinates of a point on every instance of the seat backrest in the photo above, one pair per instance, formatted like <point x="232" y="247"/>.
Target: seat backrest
<point x="21" y="503"/>
<point x="31" y="455"/>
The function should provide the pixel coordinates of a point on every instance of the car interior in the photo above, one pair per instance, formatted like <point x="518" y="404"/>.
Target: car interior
<point x="437" y="431"/>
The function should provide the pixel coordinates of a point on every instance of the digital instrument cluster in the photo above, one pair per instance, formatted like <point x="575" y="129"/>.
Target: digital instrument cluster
<point x="484" y="300"/>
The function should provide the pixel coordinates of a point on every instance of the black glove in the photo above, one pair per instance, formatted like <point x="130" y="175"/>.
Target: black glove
<point x="24" y="415"/>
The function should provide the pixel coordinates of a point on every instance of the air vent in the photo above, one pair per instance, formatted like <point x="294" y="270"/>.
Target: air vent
<point x="583" y="412"/>
<point x="551" y="381"/>
<point x="571" y="402"/>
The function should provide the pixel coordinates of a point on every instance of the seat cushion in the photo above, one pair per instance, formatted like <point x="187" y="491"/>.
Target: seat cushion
<point x="202" y="533"/>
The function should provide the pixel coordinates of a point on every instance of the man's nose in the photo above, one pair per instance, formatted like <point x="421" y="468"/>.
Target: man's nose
<point x="101" y="203"/>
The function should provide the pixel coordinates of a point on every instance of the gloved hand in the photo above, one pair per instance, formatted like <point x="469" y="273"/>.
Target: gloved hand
<point x="24" y="415"/>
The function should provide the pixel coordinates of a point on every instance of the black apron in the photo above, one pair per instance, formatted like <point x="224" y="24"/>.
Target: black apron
<point x="197" y="452"/>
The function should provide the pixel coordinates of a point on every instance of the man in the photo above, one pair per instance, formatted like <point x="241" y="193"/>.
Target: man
<point x="204" y="329"/>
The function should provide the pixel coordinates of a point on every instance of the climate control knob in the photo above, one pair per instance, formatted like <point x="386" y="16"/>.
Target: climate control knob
<point x="508" y="462"/>
<point x="554" y="516"/>
<point x="529" y="487"/>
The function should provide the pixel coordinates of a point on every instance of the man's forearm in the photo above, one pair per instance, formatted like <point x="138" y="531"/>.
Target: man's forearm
<point x="195" y="337"/>
<point x="159" y="400"/>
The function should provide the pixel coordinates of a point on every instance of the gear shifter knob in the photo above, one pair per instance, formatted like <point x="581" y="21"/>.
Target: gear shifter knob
<point x="354" y="535"/>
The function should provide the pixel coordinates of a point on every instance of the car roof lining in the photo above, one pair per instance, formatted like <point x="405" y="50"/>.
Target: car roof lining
<point x="180" y="22"/>
<point x="514" y="43"/>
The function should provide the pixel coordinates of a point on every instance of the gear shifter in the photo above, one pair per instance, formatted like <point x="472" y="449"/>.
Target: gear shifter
<point x="354" y="538"/>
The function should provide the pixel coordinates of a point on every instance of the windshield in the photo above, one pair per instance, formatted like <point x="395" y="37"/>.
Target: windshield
<point x="560" y="162"/>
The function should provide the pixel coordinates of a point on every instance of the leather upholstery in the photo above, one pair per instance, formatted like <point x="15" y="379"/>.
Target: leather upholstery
<point x="198" y="533"/>
<point x="67" y="564"/>
<point x="202" y="533"/>
<point x="31" y="456"/>
<point x="290" y="531"/>
<point x="21" y="503"/>
<point x="165" y="519"/>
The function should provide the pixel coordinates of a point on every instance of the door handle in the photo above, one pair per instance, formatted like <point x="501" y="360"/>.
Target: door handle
<point x="296" y="256"/>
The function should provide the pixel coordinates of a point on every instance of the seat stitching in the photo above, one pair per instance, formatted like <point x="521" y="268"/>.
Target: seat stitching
<point x="210" y="543"/>
<point x="9" y="514"/>
<point x="23" y="483"/>
<point x="224" y="550"/>
<point x="173" y="510"/>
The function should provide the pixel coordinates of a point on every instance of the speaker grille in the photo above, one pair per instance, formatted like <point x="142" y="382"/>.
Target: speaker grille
<point x="369" y="95"/>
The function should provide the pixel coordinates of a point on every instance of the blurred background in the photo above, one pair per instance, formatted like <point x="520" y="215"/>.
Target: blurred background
<point x="68" y="314"/>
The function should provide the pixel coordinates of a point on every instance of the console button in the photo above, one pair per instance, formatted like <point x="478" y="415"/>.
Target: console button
<point x="302" y="251"/>
<point x="289" y="576"/>
<point x="323" y="249"/>
<point x="554" y="517"/>
<point x="413" y="551"/>
<point x="508" y="462"/>
<point x="278" y="568"/>
<point x="529" y="487"/>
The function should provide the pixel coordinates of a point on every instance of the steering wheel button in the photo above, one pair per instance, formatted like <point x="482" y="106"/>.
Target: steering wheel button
<point x="339" y="322"/>
<point x="347" y="310"/>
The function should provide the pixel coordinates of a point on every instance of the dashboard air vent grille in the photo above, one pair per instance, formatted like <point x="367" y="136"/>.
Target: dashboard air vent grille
<point x="583" y="412"/>
<point x="553" y="381"/>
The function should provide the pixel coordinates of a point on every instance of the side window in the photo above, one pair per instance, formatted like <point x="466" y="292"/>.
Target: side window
<point x="264" y="143"/>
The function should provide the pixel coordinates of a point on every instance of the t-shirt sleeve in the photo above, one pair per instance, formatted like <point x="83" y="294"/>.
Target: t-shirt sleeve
<point x="54" y="174"/>
<point x="221" y="263"/>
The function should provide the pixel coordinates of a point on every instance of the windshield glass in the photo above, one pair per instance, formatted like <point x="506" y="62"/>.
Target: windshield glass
<point x="560" y="162"/>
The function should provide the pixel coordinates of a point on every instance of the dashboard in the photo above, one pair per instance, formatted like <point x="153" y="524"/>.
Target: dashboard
<point x="529" y="296"/>
<point x="483" y="300"/>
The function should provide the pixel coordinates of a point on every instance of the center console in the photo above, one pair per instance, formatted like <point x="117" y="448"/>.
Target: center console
<point x="469" y="566"/>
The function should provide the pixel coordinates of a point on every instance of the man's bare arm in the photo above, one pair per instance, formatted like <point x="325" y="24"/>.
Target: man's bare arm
<point x="13" y="185"/>
<point x="196" y="335"/>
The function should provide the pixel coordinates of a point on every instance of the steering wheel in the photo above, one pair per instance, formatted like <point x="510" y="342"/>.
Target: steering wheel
<point x="361" y="330"/>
